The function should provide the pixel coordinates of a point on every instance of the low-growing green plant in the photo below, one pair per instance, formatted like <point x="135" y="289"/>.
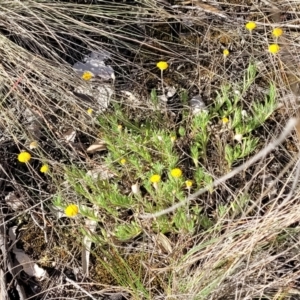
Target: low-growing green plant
<point x="200" y="134"/>
<point x="145" y="151"/>
<point x="144" y="154"/>
<point x="240" y="150"/>
<point x="228" y="105"/>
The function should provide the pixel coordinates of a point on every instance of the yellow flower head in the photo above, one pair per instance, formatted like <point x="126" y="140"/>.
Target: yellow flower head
<point x="24" y="157"/>
<point x="173" y="138"/>
<point x="87" y="75"/>
<point x="225" y="52"/>
<point x="250" y="26"/>
<point x="176" y="173"/>
<point x="274" y="48"/>
<point x="44" y="169"/>
<point x="225" y="120"/>
<point x="89" y="111"/>
<point x="123" y="161"/>
<point x="162" y="65"/>
<point x="71" y="210"/>
<point x="277" y="32"/>
<point x="188" y="184"/>
<point x="120" y="127"/>
<point x="155" y="178"/>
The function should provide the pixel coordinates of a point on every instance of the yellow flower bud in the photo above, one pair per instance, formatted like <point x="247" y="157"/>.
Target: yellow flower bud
<point x="155" y="178"/>
<point x="225" y="52"/>
<point x="87" y="75"/>
<point x="274" y="48"/>
<point x="24" y="157"/>
<point x="44" y="169"/>
<point x="176" y="173"/>
<point x="277" y="32"/>
<point x="250" y="26"/>
<point x="162" y="65"/>
<point x="71" y="210"/>
<point x="225" y="120"/>
<point x="188" y="184"/>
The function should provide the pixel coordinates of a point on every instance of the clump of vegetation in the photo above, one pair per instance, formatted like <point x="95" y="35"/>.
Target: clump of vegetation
<point x="194" y="97"/>
<point x="144" y="153"/>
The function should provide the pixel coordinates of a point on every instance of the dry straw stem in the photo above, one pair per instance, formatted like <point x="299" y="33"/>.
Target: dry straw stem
<point x="56" y="32"/>
<point x="292" y="123"/>
<point x="241" y="254"/>
<point x="244" y="250"/>
<point x="246" y="258"/>
<point x="77" y="286"/>
<point x="59" y="22"/>
<point x="44" y="80"/>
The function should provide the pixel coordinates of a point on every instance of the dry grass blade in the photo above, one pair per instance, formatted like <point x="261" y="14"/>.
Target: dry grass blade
<point x="87" y="243"/>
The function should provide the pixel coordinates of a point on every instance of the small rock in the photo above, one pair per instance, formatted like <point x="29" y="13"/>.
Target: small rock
<point x="197" y="105"/>
<point x="95" y="63"/>
<point x="96" y="90"/>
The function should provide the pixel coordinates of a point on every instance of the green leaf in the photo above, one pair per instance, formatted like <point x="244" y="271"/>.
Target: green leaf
<point x="127" y="231"/>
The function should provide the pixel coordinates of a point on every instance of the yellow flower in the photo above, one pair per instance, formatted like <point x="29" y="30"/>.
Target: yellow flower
<point x="155" y="178"/>
<point x="89" y="111"/>
<point x="176" y="173"/>
<point x="87" y="75"/>
<point x="250" y="26"/>
<point x="277" y="32"/>
<point x="44" y="169"/>
<point x="225" y="120"/>
<point x="225" y="52"/>
<point x="162" y="65"/>
<point x="189" y="184"/>
<point x="120" y="127"/>
<point x="123" y="161"/>
<point x="274" y="48"/>
<point x="71" y="210"/>
<point x="24" y="157"/>
<point x="173" y="138"/>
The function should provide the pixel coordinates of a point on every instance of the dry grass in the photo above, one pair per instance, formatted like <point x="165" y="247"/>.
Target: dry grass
<point x="246" y="240"/>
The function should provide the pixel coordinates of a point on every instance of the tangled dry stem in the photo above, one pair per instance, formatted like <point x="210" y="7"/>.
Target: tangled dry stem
<point x="239" y="258"/>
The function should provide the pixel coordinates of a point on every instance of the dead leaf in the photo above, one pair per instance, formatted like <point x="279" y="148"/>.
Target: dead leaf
<point x="29" y="267"/>
<point x="13" y="201"/>
<point x="87" y="242"/>
<point x="135" y="188"/>
<point x="164" y="243"/>
<point x="97" y="146"/>
<point x="101" y="172"/>
<point x="69" y="136"/>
